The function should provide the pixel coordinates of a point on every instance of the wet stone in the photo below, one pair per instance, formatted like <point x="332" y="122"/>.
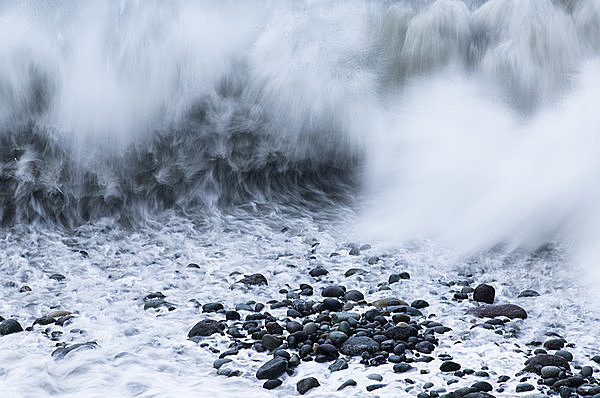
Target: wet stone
<point x="347" y="383"/>
<point x="354" y="295"/>
<point x="272" y="369"/>
<point x="524" y="387"/>
<point x="554" y="344"/>
<point x="484" y="293"/>
<point x="10" y="326"/>
<point x="254" y="280"/>
<point x="402" y="367"/>
<point x="272" y="383"/>
<point x="220" y="362"/>
<point x="57" y="277"/>
<point x="213" y="307"/>
<point x="491" y="311"/>
<point x="333" y="291"/>
<point x="449" y="366"/>
<point x="529" y="293"/>
<point x="356" y="345"/>
<point x="374" y="387"/>
<point x="318" y="271"/>
<point x="419" y="304"/>
<point x="339" y="364"/>
<point x="205" y="328"/>
<point x="271" y="342"/>
<point x="62" y="352"/>
<point x="304" y="385"/>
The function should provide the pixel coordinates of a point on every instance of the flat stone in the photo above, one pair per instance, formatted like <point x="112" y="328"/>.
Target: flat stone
<point x="536" y="363"/>
<point x="491" y="311"/>
<point x="529" y="293"/>
<point x="272" y="383"/>
<point x="339" y="364"/>
<point x="384" y="302"/>
<point x="58" y="314"/>
<point x="62" y="352"/>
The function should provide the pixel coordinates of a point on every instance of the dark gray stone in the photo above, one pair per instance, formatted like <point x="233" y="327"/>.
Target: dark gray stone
<point x="254" y="280"/>
<point x="356" y="345"/>
<point x="62" y="352"/>
<point x="491" y="311"/>
<point x="206" y="327"/>
<point x="484" y="293"/>
<point x="304" y="385"/>
<point x="347" y="383"/>
<point x="272" y="369"/>
<point x="9" y="326"/>
<point x="333" y="291"/>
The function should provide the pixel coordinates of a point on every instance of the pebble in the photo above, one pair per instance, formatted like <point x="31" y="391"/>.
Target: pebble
<point x="333" y="291"/>
<point x="384" y="302"/>
<point x="354" y="295"/>
<point x="318" y="271"/>
<point x="220" y="362"/>
<point x="554" y="344"/>
<point x="524" y="387"/>
<point x="491" y="311"/>
<point x="272" y="369"/>
<point x="213" y="307"/>
<point x="550" y="371"/>
<point x="484" y="293"/>
<point x="449" y="366"/>
<point x="272" y="383"/>
<point x="375" y="376"/>
<point x="482" y="386"/>
<point x="206" y="327"/>
<point x="337" y="338"/>
<point x="373" y="387"/>
<point x="57" y="277"/>
<point x="529" y="293"/>
<point x="402" y="367"/>
<point x="565" y="354"/>
<point x="304" y="385"/>
<point x="10" y="326"/>
<point x="347" y="383"/>
<point x="24" y="289"/>
<point x="254" y="280"/>
<point x="419" y="304"/>
<point x="271" y="342"/>
<point x="61" y="352"/>
<point x="356" y="345"/>
<point x="539" y="361"/>
<point x="58" y="314"/>
<point x="339" y="364"/>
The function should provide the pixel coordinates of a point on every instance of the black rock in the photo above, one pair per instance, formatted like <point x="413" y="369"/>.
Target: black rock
<point x="373" y="387"/>
<point x="491" y="311"/>
<point x="402" y="333"/>
<point x="394" y="278"/>
<point x="482" y="386"/>
<point x="339" y="364"/>
<point x="332" y="304"/>
<point x="206" y="327"/>
<point x="271" y="342"/>
<point x="528" y="293"/>
<point x="274" y="328"/>
<point x="293" y="327"/>
<point x="212" y="307"/>
<point x="354" y="271"/>
<point x="419" y="304"/>
<point x="57" y="277"/>
<point x="554" y="344"/>
<point x="539" y="361"/>
<point x="24" y="289"/>
<point x="449" y="366"/>
<point x="523" y="387"/>
<point x="272" y="383"/>
<point x="328" y="351"/>
<point x="9" y="326"/>
<point x="232" y="316"/>
<point x="484" y="293"/>
<point x="402" y="367"/>
<point x="45" y="320"/>
<point x="272" y="369"/>
<point x="157" y="303"/>
<point x="61" y="352"/>
<point x="254" y="280"/>
<point x="356" y="345"/>
<point x="155" y="295"/>
<point x="318" y="271"/>
<point x="425" y="347"/>
<point x="304" y="385"/>
<point x="333" y="291"/>
<point x="220" y="362"/>
<point x="354" y="295"/>
<point x="347" y="383"/>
